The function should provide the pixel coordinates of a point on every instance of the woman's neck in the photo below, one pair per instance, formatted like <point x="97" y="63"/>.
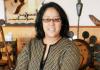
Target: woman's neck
<point x="50" y="41"/>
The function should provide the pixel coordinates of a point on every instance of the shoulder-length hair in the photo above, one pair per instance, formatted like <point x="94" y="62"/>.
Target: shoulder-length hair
<point x="38" y="22"/>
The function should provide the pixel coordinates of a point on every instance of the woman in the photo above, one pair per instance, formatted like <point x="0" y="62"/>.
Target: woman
<point x="51" y="49"/>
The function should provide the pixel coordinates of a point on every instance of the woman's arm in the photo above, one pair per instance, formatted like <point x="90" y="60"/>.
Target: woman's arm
<point x="71" y="58"/>
<point x="23" y="59"/>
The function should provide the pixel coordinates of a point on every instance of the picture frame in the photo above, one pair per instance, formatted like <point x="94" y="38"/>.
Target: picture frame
<point x="20" y="12"/>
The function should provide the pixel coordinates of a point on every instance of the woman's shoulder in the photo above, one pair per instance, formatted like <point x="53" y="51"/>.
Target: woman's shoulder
<point x="69" y="44"/>
<point x="35" y="39"/>
<point x="67" y="41"/>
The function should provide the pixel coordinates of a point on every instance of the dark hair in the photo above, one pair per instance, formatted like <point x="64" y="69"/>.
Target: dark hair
<point x="38" y="23"/>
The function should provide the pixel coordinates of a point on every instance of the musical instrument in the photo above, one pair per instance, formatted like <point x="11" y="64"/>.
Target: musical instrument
<point x="84" y="51"/>
<point x="6" y="50"/>
<point x="85" y="35"/>
<point x="97" y="56"/>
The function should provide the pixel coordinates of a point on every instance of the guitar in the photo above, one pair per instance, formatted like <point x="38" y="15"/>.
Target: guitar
<point x="85" y="53"/>
<point x="8" y="61"/>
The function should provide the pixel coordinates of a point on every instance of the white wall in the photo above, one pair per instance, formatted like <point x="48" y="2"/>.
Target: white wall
<point x="89" y="7"/>
<point x="2" y="13"/>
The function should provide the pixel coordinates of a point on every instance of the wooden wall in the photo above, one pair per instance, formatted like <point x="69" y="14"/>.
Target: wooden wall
<point x="21" y="32"/>
<point x="29" y="31"/>
<point x="93" y="30"/>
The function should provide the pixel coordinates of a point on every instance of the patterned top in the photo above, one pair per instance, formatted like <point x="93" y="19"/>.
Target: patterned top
<point x="63" y="55"/>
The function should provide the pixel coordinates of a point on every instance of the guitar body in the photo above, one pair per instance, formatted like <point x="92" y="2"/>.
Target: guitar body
<point x="85" y="53"/>
<point x="7" y="51"/>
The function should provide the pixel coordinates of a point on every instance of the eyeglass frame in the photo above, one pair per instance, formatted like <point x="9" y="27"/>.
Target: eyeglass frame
<point x="47" y="20"/>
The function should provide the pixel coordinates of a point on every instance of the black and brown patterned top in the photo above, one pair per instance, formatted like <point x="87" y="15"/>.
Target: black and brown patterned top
<point x="63" y="55"/>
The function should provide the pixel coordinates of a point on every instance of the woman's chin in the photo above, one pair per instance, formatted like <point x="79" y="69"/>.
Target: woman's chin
<point x="52" y="35"/>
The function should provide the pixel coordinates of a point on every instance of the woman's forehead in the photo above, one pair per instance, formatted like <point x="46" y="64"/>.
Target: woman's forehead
<point x="51" y="12"/>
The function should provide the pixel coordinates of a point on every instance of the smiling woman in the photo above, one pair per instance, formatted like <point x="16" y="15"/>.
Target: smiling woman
<point x="51" y="49"/>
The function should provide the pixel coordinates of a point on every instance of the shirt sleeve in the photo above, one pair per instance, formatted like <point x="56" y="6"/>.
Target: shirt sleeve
<point x="71" y="58"/>
<point x="23" y="59"/>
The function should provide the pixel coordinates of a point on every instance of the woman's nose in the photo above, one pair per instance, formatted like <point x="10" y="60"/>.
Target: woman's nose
<point x="51" y="22"/>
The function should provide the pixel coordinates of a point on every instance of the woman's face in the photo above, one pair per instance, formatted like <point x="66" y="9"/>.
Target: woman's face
<point x="51" y="23"/>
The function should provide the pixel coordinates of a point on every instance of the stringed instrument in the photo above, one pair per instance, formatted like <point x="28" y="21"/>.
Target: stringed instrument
<point x="6" y="49"/>
<point x="85" y="53"/>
